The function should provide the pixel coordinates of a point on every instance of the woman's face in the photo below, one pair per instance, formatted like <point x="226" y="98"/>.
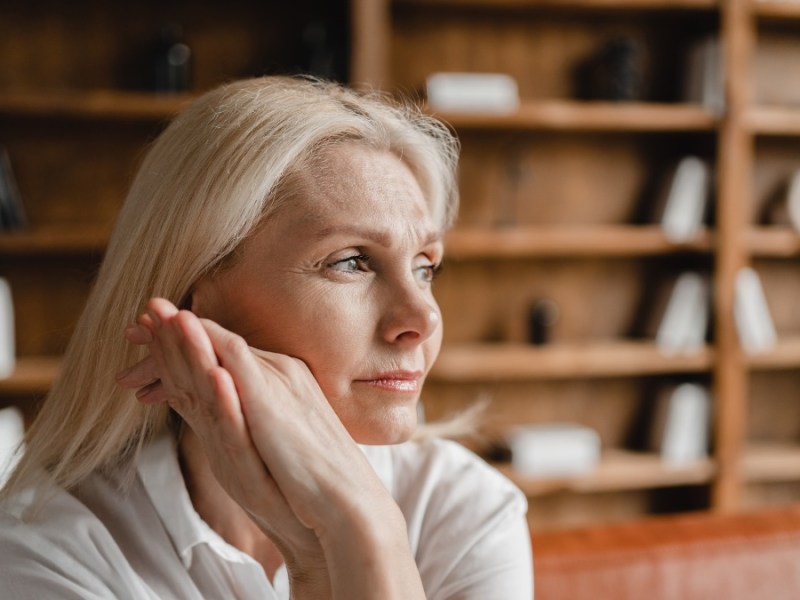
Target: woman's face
<point x="340" y="277"/>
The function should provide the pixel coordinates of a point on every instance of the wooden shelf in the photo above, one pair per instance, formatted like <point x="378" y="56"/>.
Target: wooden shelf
<point x="774" y="120"/>
<point x="569" y="115"/>
<point x="78" y="240"/>
<point x="771" y="462"/>
<point x="601" y="240"/>
<point x="618" y="470"/>
<point x="785" y="355"/>
<point x="33" y="375"/>
<point x="773" y="241"/>
<point x="93" y="104"/>
<point x="777" y="9"/>
<point x="655" y="5"/>
<point x="465" y="363"/>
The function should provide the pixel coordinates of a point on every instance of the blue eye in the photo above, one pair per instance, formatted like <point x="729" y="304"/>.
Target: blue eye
<point x="351" y="264"/>
<point x="427" y="273"/>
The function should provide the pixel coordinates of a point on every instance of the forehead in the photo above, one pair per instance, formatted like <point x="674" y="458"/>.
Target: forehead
<point x="354" y="182"/>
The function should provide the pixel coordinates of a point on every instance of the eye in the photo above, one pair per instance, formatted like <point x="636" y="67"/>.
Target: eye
<point x="427" y="273"/>
<point x="351" y="264"/>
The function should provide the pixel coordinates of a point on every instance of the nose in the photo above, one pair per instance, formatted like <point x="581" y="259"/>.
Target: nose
<point x="411" y="315"/>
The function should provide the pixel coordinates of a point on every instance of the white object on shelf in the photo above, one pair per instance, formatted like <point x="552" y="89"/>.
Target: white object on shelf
<point x="685" y="206"/>
<point x="704" y="75"/>
<point x="12" y="433"/>
<point x="793" y="201"/>
<point x="687" y="414"/>
<point x="554" y="449"/>
<point x="7" y="350"/>
<point x="495" y="93"/>
<point x="751" y="313"/>
<point x="683" y="327"/>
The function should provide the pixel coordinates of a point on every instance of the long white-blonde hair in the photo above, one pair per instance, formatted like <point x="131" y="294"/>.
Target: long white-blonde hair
<point x="206" y="182"/>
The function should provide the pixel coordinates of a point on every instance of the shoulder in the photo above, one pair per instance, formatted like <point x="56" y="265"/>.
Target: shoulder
<point x="449" y="475"/>
<point x="51" y="545"/>
<point x="467" y="522"/>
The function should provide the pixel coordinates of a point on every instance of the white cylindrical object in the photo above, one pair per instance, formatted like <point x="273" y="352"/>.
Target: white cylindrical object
<point x="7" y="351"/>
<point x="12" y="433"/>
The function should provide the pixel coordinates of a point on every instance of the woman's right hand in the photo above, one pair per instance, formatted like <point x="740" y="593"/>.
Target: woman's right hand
<point x="184" y="370"/>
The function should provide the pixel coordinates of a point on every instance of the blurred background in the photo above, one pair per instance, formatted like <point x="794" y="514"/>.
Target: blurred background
<point x="621" y="286"/>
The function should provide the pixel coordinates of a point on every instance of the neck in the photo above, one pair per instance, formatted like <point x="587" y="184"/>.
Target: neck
<point x="219" y="510"/>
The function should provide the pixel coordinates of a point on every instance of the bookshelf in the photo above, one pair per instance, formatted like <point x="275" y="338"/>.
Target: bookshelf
<point x="557" y="203"/>
<point x="77" y="111"/>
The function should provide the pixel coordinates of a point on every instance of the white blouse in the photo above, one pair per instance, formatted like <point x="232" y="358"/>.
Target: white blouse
<point x="466" y="525"/>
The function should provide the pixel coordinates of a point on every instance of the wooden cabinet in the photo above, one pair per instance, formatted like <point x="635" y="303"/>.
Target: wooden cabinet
<point x="559" y="204"/>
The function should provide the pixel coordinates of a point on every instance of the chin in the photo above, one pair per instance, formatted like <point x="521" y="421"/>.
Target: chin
<point x="394" y="427"/>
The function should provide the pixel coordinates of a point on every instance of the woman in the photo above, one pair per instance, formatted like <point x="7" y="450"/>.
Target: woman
<point x="255" y="443"/>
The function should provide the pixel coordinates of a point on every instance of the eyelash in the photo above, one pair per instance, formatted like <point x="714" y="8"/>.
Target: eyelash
<point x="362" y="260"/>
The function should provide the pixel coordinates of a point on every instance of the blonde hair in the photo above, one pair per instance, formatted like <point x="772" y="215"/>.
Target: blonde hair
<point x="208" y="180"/>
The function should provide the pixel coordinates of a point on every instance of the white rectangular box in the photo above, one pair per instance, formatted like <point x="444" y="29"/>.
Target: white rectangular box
<point x="495" y="93"/>
<point x="554" y="449"/>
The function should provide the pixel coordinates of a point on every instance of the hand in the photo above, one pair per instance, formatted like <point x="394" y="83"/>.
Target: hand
<point x="183" y="370"/>
<point x="278" y="449"/>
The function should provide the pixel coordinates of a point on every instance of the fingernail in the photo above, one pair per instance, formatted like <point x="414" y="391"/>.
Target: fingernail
<point x="154" y="317"/>
<point x="139" y="333"/>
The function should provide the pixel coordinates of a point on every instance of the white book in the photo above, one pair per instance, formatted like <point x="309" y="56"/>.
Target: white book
<point x="685" y="323"/>
<point x="793" y="200"/>
<point x="7" y="349"/>
<point x="685" y="206"/>
<point x="472" y="92"/>
<point x="751" y="313"/>
<point x="554" y="449"/>
<point x="686" y="417"/>
<point x="704" y="75"/>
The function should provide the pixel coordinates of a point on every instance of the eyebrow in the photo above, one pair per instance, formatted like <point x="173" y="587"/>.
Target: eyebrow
<point x="378" y="236"/>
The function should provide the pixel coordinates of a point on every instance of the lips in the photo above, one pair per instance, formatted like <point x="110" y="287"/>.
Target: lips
<point x="398" y="381"/>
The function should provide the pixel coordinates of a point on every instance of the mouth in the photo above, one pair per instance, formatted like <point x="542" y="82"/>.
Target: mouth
<point x="395" y="381"/>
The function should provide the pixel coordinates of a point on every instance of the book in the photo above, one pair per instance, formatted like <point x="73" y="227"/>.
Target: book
<point x="686" y="200"/>
<point x="7" y="349"/>
<point x="793" y="200"/>
<point x="681" y="425"/>
<point x="12" y="213"/>
<point x="703" y="83"/>
<point x="684" y="326"/>
<point x="751" y="313"/>
<point x="495" y="93"/>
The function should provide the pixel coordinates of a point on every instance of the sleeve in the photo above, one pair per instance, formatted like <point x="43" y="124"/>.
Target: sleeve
<point x="468" y="527"/>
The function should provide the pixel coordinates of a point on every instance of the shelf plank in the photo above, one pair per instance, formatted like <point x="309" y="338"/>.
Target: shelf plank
<point x="771" y="462"/>
<point x="33" y="375"/>
<point x="774" y="120"/>
<point x="655" y="5"/>
<point x="78" y="240"/>
<point x="569" y="115"/>
<point x="773" y="241"/>
<point x="618" y="470"/>
<point x="785" y="355"/>
<point x="776" y="9"/>
<point x="602" y="240"/>
<point x="93" y="104"/>
<point x="466" y="363"/>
